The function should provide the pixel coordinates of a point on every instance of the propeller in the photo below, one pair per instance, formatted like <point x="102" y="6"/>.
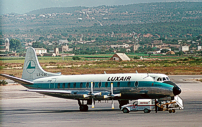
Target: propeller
<point x="112" y="94"/>
<point x="93" y="105"/>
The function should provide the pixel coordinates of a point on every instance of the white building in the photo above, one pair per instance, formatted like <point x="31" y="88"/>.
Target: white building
<point x="184" y="48"/>
<point x="5" y="46"/>
<point x="120" y="46"/>
<point x="120" y="57"/>
<point x="63" y="42"/>
<point x="199" y="48"/>
<point x="40" y="51"/>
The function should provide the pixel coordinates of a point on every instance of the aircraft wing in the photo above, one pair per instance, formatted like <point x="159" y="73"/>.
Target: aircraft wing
<point x="16" y="79"/>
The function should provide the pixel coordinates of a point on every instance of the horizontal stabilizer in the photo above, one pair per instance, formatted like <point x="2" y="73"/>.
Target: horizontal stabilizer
<point x="16" y="79"/>
<point x="50" y="91"/>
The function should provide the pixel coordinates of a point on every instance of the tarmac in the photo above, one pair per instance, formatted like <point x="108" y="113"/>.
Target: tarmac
<point x="20" y="108"/>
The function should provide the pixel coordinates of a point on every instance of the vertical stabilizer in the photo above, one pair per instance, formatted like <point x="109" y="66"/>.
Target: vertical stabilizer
<point x="32" y="69"/>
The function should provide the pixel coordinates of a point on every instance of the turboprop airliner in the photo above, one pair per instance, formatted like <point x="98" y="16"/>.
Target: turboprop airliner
<point x="86" y="89"/>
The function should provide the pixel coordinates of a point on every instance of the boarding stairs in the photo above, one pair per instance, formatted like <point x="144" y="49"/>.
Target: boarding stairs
<point x="179" y="101"/>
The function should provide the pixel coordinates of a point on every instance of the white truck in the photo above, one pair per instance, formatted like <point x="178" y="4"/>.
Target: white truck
<point x="145" y="105"/>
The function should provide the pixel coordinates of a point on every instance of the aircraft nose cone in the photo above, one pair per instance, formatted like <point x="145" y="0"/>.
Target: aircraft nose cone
<point x="176" y="90"/>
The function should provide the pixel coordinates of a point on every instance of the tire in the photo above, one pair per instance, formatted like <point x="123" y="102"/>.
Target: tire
<point x="83" y="108"/>
<point x="146" y="110"/>
<point x="170" y="111"/>
<point x="125" y="110"/>
<point x="173" y="110"/>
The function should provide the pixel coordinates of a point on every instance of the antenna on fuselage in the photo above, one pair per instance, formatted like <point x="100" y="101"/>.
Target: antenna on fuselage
<point x="105" y="72"/>
<point x="146" y="76"/>
<point x="136" y="72"/>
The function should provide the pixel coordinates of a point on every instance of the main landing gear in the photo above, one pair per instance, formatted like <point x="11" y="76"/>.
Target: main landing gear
<point x="82" y="106"/>
<point x="123" y="102"/>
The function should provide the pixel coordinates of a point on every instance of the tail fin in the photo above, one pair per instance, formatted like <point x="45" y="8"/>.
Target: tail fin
<point x="32" y="69"/>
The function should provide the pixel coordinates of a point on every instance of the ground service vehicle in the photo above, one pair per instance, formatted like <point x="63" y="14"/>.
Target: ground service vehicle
<point x="145" y="105"/>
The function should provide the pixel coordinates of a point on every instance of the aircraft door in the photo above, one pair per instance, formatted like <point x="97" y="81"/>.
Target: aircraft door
<point x="136" y="84"/>
<point x="52" y="84"/>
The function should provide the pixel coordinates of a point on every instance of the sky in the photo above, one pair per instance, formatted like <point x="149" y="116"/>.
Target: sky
<point x="25" y="6"/>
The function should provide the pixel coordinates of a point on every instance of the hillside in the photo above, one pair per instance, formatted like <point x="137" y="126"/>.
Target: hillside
<point x="173" y="18"/>
<point x="57" y="10"/>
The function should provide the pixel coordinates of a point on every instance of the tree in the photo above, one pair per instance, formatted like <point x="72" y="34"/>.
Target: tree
<point x="164" y="50"/>
<point x="76" y="58"/>
<point x="15" y="44"/>
<point x="38" y="45"/>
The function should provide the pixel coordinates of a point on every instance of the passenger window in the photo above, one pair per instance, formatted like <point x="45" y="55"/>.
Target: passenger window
<point x="118" y="84"/>
<point x="99" y="84"/>
<point x="93" y="84"/>
<point x="68" y="85"/>
<point x="106" y="84"/>
<point x="129" y="84"/>
<point x="63" y="85"/>
<point x="136" y="84"/>
<point x="81" y="84"/>
<point x="74" y="85"/>
<point x="87" y="84"/>
<point x="58" y="85"/>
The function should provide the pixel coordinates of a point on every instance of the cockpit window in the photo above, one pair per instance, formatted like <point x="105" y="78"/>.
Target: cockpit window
<point x="167" y="78"/>
<point x="164" y="78"/>
<point x="159" y="79"/>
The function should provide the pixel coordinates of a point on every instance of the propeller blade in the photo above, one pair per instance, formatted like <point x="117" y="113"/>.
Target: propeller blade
<point x="116" y="95"/>
<point x="91" y="87"/>
<point x="112" y="93"/>
<point x="112" y="104"/>
<point x="93" y="105"/>
<point x="85" y="95"/>
<point x="106" y="96"/>
<point x="112" y="89"/>
<point x="99" y="93"/>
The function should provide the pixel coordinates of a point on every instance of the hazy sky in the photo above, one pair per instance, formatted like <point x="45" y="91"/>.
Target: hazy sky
<point x="24" y="6"/>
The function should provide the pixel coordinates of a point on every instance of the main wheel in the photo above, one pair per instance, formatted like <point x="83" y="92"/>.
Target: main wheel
<point x="173" y="110"/>
<point x="125" y="110"/>
<point x="146" y="110"/>
<point x="83" y="108"/>
<point x="170" y="111"/>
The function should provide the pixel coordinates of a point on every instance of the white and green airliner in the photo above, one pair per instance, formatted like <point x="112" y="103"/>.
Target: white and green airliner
<point x="91" y="87"/>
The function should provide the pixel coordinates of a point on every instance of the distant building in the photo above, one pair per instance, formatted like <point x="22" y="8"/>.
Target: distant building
<point x="170" y="53"/>
<point x="5" y="47"/>
<point x="40" y="51"/>
<point x="65" y="49"/>
<point x="135" y="48"/>
<point x="120" y="57"/>
<point x="199" y="48"/>
<point x="63" y="42"/>
<point x="184" y="48"/>
<point x="49" y="54"/>
<point x="157" y="42"/>
<point x="13" y="54"/>
<point x="56" y="51"/>
<point x="120" y="46"/>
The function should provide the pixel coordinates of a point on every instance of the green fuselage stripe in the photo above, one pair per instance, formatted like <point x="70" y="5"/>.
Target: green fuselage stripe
<point x="85" y="85"/>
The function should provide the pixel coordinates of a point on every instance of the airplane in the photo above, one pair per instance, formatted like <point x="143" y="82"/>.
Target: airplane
<point x="91" y="87"/>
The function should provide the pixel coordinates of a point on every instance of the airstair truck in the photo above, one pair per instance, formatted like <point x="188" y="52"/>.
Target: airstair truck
<point x="145" y="105"/>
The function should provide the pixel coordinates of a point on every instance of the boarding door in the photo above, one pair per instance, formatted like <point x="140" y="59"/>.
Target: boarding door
<point x="52" y="83"/>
